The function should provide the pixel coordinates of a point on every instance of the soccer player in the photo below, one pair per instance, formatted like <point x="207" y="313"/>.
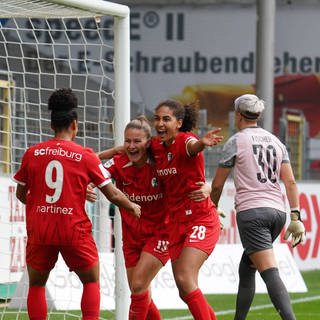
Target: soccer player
<point x="145" y="241"/>
<point x="52" y="182"/>
<point x="194" y="227"/>
<point x="259" y="161"/>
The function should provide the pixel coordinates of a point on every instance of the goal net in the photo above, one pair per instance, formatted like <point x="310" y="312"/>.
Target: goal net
<point x="45" y="45"/>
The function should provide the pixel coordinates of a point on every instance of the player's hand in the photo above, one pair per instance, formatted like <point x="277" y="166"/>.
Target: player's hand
<point x="221" y="215"/>
<point x="91" y="195"/>
<point x="210" y="138"/>
<point x="136" y="210"/>
<point x="202" y="193"/>
<point x="296" y="229"/>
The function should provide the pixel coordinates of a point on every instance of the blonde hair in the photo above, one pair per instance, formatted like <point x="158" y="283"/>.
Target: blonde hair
<point x="140" y="123"/>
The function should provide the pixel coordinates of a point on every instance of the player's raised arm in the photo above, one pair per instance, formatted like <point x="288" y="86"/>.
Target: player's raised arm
<point x="208" y="140"/>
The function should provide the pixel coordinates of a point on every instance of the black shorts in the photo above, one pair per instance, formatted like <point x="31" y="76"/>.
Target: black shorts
<point x="259" y="227"/>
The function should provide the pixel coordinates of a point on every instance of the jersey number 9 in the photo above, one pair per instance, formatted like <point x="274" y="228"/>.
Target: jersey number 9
<point x="54" y="180"/>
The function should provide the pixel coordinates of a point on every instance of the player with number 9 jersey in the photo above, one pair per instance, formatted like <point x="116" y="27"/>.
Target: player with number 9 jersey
<point x="52" y="183"/>
<point x="57" y="173"/>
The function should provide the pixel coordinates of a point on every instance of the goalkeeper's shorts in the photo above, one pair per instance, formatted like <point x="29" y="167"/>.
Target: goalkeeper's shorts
<point x="259" y="227"/>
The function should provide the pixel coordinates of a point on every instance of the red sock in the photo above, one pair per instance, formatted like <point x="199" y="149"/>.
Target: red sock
<point x="36" y="303"/>
<point x="212" y="314"/>
<point x="139" y="306"/>
<point x="153" y="312"/>
<point x="198" y="305"/>
<point x="90" y="301"/>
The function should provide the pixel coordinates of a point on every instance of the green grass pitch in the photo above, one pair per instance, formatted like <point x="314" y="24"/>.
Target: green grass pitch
<point x="306" y="306"/>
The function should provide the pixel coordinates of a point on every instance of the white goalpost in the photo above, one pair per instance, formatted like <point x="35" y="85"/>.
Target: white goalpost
<point x="45" y="45"/>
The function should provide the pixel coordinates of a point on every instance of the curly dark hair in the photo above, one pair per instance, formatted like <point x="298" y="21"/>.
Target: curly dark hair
<point x="187" y="113"/>
<point x="63" y="104"/>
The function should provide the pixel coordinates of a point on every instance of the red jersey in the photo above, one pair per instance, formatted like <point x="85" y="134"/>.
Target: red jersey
<point x="140" y="185"/>
<point x="57" y="173"/>
<point x="179" y="173"/>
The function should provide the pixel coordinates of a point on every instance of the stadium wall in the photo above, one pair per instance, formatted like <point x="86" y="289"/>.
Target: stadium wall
<point x="13" y="234"/>
<point x="218" y="275"/>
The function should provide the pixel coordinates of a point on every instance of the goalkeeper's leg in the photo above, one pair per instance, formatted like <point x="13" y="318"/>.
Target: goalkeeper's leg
<point x="278" y="293"/>
<point x="246" y="288"/>
<point x="265" y="262"/>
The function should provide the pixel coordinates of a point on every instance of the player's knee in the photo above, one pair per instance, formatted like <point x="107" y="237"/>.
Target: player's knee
<point x="138" y="286"/>
<point x="185" y="285"/>
<point x="246" y="272"/>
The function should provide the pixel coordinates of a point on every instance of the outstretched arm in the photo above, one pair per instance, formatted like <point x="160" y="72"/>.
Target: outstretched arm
<point x="209" y="139"/>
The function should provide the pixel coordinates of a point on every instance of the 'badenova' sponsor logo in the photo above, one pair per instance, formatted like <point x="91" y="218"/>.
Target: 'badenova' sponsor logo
<point x="144" y="197"/>
<point x="166" y="172"/>
<point x="58" y="152"/>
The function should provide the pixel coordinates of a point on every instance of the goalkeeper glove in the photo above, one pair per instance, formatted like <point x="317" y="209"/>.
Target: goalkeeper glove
<point x="296" y="229"/>
<point x="221" y="214"/>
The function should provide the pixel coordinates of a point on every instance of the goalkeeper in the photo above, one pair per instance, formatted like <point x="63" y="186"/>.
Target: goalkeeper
<point x="259" y="161"/>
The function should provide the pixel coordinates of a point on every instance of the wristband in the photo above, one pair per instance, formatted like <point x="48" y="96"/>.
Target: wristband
<point x="297" y="212"/>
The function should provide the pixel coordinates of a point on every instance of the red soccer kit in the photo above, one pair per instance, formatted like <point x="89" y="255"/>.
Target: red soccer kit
<point x="57" y="173"/>
<point x="191" y="223"/>
<point x="141" y="185"/>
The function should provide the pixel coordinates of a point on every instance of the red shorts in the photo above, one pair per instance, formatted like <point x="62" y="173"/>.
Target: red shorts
<point x="155" y="244"/>
<point x="202" y="234"/>
<point x="77" y="257"/>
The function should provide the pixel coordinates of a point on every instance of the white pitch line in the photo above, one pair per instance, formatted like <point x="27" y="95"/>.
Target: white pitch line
<point x="264" y="306"/>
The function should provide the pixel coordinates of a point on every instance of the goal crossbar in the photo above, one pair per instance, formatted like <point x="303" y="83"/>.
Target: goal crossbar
<point x="61" y="8"/>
